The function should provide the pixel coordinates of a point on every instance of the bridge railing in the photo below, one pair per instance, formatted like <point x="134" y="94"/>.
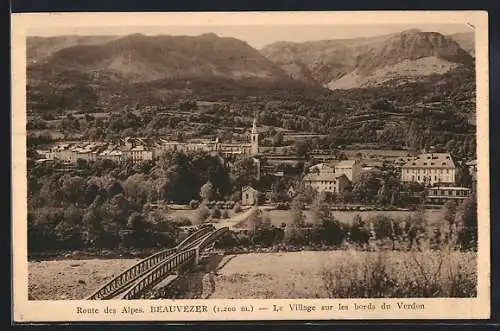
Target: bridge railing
<point x="127" y="277"/>
<point x="188" y="255"/>
<point x="154" y="276"/>
<point x="212" y="237"/>
<point x="195" y="236"/>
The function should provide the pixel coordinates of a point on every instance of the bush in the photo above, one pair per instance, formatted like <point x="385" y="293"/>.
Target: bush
<point x="330" y="232"/>
<point x="216" y="213"/>
<point x="243" y="239"/>
<point x="203" y="213"/>
<point x="183" y="221"/>
<point x="268" y="236"/>
<point x="220" y="204"/>
<point x="194" y="204"/>
<point x="227" y="240"/>
<point x="283" y="206"/>
<point x="405" y="275"/>
<point x="359" y="232"/>
<point x="225" y="214"/>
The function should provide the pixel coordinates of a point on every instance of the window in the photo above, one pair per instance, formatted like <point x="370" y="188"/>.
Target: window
<point x="418" y="178"/>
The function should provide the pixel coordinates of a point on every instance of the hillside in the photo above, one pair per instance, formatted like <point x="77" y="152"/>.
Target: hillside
<point x="40" y="48"/>
<point x="152" y="68"/>
<point x="466" y="41"/>
<point x="363" y="62"/>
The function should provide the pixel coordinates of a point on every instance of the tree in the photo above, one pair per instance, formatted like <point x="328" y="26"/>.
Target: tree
<point x="463" y="177"/>
<point x="207" y="191"/>
<point x="320" y="209"/>
<point x="466" y="219"/>
<point x="203" y="213"/>
<point x="301" y="149"/>
<point x="450" y="210"/>
<point x="254" y="222"/>
<point x="119" y="208"/>
<point x="367" y="185"/>
<point x="136" y="188"/>
<point x="114" y="188"/>
<point x="293" y="229"/>
<point x="260" y="198"/>
<point x="94" y="229"/>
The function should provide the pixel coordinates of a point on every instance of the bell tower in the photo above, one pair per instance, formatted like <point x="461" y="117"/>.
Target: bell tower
<point x="254" y="138"/>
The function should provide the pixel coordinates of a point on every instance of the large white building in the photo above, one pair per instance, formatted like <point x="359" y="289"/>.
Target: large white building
<point x="430" y="169"/>
<point x="350" y="168"/>
<point x="335" y="177"/>
<point x="327" y="182"/>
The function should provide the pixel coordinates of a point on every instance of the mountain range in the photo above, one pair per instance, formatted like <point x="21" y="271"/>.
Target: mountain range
<point x="152" y="67"/>
<point x="364" y="62"/>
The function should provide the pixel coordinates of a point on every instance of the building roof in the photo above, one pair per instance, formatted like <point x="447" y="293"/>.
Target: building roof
<point x="246" y="188"/>
<point x="314" y="177"/>
<point x="321" y="167"/>
<point x="431" y="160"/>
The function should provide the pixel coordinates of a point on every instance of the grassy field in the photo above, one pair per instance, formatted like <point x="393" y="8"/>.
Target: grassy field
<point x="279" y="216"/>
<point x="343" y="274"/>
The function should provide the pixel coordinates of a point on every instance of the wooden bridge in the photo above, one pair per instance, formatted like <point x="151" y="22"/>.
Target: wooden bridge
<point x="137" y="281"/>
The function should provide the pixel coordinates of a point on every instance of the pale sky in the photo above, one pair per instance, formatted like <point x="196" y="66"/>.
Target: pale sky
<point x="260" y="35"/>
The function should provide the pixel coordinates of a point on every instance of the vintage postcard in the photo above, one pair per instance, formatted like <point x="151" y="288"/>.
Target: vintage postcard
<point x="250" y="166"/>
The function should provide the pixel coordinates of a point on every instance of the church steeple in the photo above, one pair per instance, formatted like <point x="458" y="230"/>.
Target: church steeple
<point x="254" y="137"/>
<point x="254" y="126"/>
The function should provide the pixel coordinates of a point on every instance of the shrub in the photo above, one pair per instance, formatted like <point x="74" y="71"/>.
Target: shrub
<point x="359" y="232"/>
<point x="216" y="213"/>
<point x="227" y="240"/>
<point x="329" y="231"/>
<point x="220" y="204"/>
<point x="183" y="221"/>
<point x="283" y="206"/>
<point x="243" y="239"/>
<point x="203" y="213"/>
<point x="225" y="214"/>
<point x="194" y="204"/>
<point x="403" y="275"/>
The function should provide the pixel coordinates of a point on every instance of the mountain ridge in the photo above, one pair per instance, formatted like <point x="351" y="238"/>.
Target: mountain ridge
<point x="330" y="60"/>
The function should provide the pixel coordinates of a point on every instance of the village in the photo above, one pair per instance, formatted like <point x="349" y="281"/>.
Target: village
<point x="436" y="172"/>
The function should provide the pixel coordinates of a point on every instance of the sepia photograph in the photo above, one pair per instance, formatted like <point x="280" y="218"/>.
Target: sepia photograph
<point x="253" y="161"/>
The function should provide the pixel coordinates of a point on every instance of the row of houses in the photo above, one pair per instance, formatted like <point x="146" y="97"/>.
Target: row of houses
<point x="142" y="149"/>
<point x="134" y="149"/>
